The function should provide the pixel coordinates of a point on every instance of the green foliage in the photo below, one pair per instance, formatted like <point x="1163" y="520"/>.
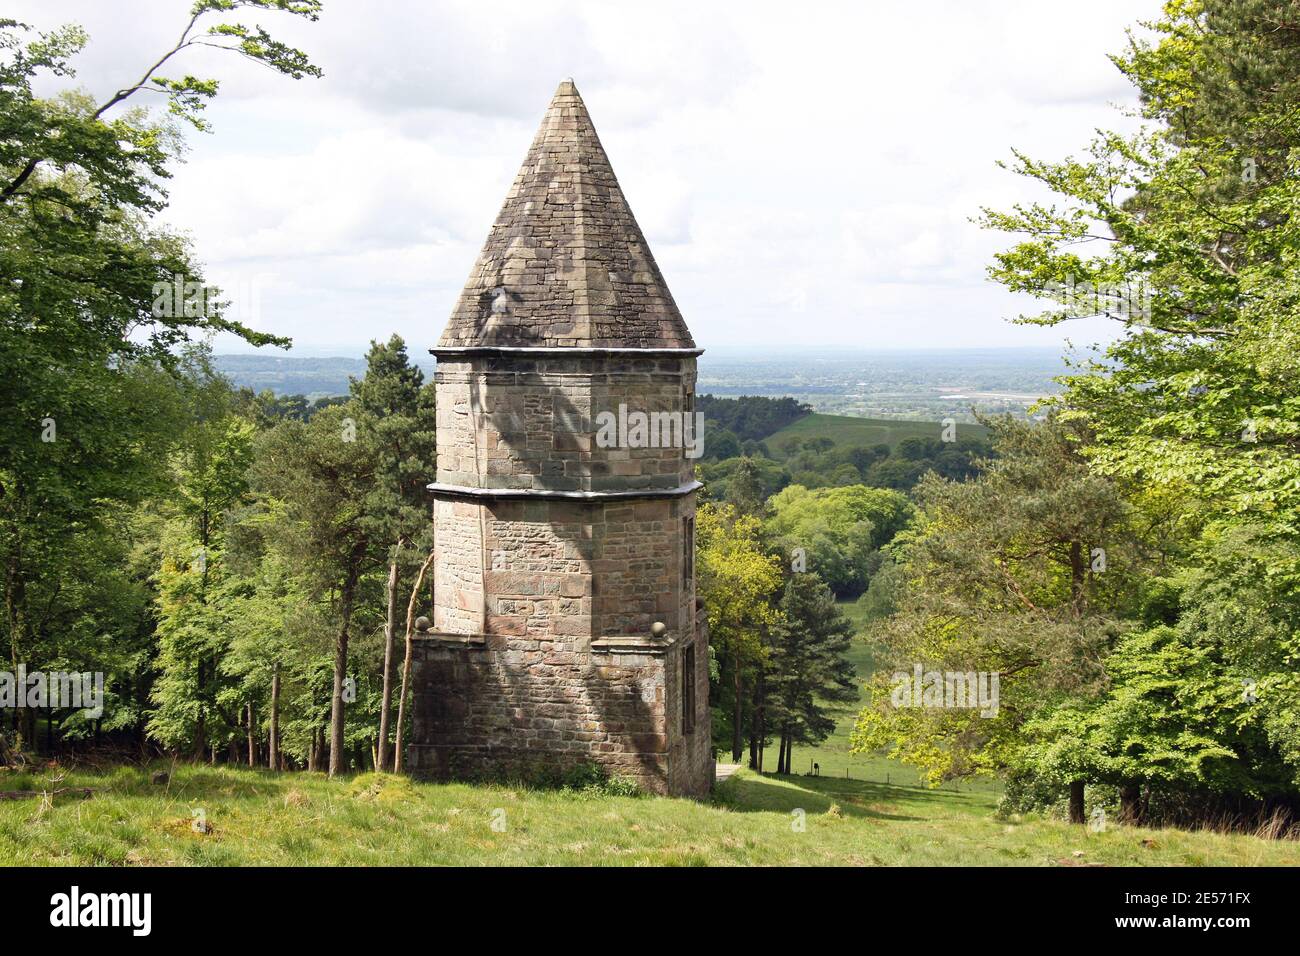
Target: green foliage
<point x="730" y="421"/>
<point x="1184" y="233"/>
<point x="104" y="389"/>
<point x="840" y="530"/>
<point x="999" y="575"/>
<point x="738" y="581"/>
<point x="1194" y="214"/>
<point x="719" y="477"/>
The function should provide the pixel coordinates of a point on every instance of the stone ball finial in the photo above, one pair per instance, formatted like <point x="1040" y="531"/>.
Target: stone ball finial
<point x="658" y="629"/>
<point x="422" y="623"/>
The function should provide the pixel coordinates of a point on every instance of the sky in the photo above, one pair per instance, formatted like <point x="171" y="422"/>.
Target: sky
<point x="805" y="174"/>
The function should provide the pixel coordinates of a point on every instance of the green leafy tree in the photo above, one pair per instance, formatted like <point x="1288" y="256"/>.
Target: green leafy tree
<point x="837" y="530"/>
<point x="89" y="358"/>
<point x="737" y="581"/>
<point x="1184" y="233"/>
<point x="1018" y="573"/>
<point x="745" y="488"/>
<point x="323" y="472"/>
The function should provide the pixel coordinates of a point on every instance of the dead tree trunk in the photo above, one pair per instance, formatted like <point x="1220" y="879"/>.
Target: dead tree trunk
<point x="406" y="663"/>
<point x="390" y="628"/>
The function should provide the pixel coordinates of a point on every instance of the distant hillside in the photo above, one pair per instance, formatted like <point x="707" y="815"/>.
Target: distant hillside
<point x="293" y="375"/>
<point x="845" y="430"/>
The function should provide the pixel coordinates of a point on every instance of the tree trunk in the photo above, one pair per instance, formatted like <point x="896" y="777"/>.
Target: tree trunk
<point x="200" y="730"/>
<point x="1076" y="801"/>
<point x="737" y="731"/>
<point x="1078" y="571"/>
<point x="1130" y="804"/>
<point x="406" y="662"/>
<point x="15" y="602"/>
<point x="756" y="727"/>
<point x="337" y="755"/>
<point x="390" y="627"/>
<point x="29" y="728"/>
<point x="273" y="752"/>
<point x="252" y="736"/>
<point x="313" y="756"/>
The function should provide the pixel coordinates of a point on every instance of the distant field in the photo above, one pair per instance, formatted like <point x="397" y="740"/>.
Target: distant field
<point x="847" y="430"/>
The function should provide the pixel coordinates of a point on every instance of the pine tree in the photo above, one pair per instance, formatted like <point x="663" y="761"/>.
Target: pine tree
<point x="324" y="473"/>
<point x="397" y="408"/>
<point x="807" y="667"/>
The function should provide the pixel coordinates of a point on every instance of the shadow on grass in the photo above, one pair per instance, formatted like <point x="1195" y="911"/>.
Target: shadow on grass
<point x="751" y="793"/>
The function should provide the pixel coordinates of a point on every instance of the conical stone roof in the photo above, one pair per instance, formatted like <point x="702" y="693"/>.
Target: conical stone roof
<point x="565" y="264"/>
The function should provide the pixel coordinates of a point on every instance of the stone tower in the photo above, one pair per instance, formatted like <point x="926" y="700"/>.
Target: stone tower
<point x="565" y="624"/>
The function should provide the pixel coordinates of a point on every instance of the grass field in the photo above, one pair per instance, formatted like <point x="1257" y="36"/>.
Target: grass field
<point x="259" y="818"/>
<point x="862" y="810"/>
<point x="848" y="430"/>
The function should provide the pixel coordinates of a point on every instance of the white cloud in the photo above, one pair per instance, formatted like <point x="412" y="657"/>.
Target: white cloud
<point x="804" y="173"/>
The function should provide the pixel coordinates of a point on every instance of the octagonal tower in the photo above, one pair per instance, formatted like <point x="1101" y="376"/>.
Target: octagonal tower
<point x="565" y="624"/>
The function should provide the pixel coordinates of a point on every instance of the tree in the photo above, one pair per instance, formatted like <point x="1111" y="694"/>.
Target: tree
<point x="90" y="358"/>
<point x="212" y="467"/>
<point x="737" y="581"/>
<point x="807" y="666"/>
<point x="1003" y="575"/>
<point x="398" y="408"/>
<point x="324" y="472"/>
<point x="745" y="489"/>
<point x="837" y="529"/>
<point x="1185" y="234"/>
<point x="398" y="751"/>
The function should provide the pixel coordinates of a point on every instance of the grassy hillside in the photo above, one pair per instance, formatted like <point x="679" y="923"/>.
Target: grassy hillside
<point x="259" y="818"/>
<point x="862" y="810"/>
<point x="847" y="430"/>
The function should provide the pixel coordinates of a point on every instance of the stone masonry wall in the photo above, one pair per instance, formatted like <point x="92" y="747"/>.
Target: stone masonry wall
<point x="525" y="679"/>
<point x="532" y="422"/>
<point x="540" y="653"/>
